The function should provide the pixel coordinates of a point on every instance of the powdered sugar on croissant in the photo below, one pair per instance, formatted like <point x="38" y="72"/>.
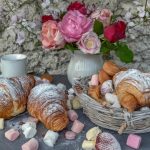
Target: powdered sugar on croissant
<point x="47" y="103"/>
<point x="14" y="94"/>
<point x="135" y="77"/>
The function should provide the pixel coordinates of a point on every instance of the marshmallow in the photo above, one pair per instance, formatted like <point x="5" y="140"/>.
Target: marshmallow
<point x="88" y="145"/>
<point x="69" y="135"/>
<point x="72" y="115"/>
<point x="77" y="126"/>
<point x="12" y="134"/>
<point x="92" y="133"/>
<point x="134" y="141"/>
<point x="94" y="80"/>
<point x="1" y="123"/>
<point x="76" y="103"/>
<point x="61" y="86"/>
<point x="29" y="129"/>
<point x="113" y="100"/>
<point x="31" y="145"/>
<point x="71" y="91"/>
<point x="50" y="138"/>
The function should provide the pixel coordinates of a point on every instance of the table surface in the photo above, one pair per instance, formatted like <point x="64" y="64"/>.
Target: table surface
<point x="63" y="144"/>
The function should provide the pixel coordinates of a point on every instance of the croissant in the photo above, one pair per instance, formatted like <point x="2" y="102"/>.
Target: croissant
<point x="133" y="89"/>
<point x="94" y="92"/>
<point x="103" y="76"/>
<point x="111" y="68"/>
<point x="47" y="103"/>
<point x="14" y="94"/>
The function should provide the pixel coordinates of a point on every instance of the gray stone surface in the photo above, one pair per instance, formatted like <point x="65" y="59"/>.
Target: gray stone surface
<point x="20" y="25"/>
<point x="63" y="144"/>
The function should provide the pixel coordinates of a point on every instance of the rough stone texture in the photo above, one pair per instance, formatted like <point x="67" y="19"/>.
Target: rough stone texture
<point x="20" y="29"/>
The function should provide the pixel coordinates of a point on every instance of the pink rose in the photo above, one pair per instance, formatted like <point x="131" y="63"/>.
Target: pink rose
<point x="102" y="15"/>
<point x="51" y="37"/>
<point x="89" y="43"/>
<point x="73" y="25"/>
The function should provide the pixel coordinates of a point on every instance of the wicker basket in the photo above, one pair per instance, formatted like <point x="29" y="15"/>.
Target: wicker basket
<point x="111" y="118"/>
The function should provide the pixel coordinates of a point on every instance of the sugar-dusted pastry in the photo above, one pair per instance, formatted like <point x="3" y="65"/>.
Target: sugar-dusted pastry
<point x="92" y="133"/>
<point x="72" y="115"/>
<point x="70" y="135"/>
<point x="1" y="123"/>
<point x="47" y="103"/>
<point x="103" y="76"/>
<point x="47" y="76"/>
<point x="111" y="68"/>
<point x="77" y="126"/>
<point x="94" y="92"/>
<point x="50" y="138"/>
<point x="133" y="89"/>
<point x="88" y="145"/>
<point x="107" y="87"/>
<point x="106" y="141"/>
<point x="14" y="95"/>
<point x="12" y="134"/>
<point x="32" y="144"/>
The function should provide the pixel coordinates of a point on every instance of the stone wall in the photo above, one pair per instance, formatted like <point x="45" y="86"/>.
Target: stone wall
<point x="20" y="24"/>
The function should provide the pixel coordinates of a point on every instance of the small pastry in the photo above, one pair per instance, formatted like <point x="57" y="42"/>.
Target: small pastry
<point x="94" y="80"/>
<point x="72" y="115"/>
<point x="76" y="103"/>
<point x="134" y="141"/>
<point x="111" y="68"/>
<point x="107" y="87"/>
<point x="88" y="145"/>
<point x="69" y="135"/>
<point x="113" y="100"/>
<point x="32" y="144"/>
<point x="103" y="76"/>
<point x="94" y="92"/>
<point x="77" y="126"/>
<point x="12" y="134"/>
<point x="47" y="77"/>
<point x="50" y="138"/>
<point x="1" y="123"/>
<point x="92" y="133"/>
<point x="107" y="141"/>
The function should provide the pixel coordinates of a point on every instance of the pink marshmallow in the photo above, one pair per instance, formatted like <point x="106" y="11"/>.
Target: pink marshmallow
<point x="31" y="145"/>
<point x="134" y="141"/>
<point x="77" y="126"/>
<point x="12" y="134"/>
<point x="69" y="135"/>
<point x="72" y="115"/>
<point x="94" y="79"/>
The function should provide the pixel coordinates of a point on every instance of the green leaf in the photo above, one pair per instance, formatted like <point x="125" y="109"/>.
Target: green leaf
<point x="37" y="44"/>
<point x="71" y="46"/>
<point x="124" y="52"/>
<point x="98" y="27"/>
<point x="107" y="47"/>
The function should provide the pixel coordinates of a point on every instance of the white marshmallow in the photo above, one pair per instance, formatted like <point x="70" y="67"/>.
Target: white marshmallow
<point x="71" y="91"/>
<point x="29" y="129"/>
<point x="112" y="99"/>
<point x="61" y="86"/>
<point x="92" y="133"/>
<point x="1" y="123"/>
<point x="50" y="138"/>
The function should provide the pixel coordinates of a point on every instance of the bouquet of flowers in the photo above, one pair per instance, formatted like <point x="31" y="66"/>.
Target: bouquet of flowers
<point x="93" y="32"/>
